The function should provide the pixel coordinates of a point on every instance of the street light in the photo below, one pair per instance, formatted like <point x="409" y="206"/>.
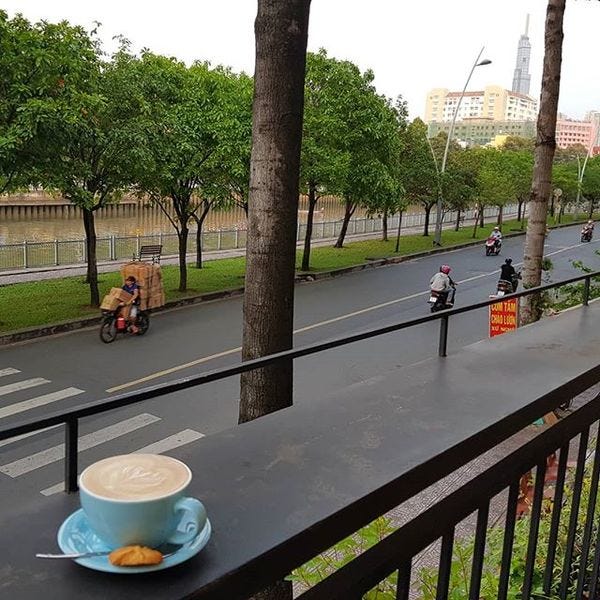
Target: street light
<point x="437" y="240"/>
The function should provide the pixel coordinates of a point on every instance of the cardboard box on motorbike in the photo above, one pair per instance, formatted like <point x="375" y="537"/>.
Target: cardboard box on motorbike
<point x="115" y="297"/>
<point x="149" y="279"/>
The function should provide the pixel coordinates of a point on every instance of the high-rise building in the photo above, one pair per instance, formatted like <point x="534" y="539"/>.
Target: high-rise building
<point x="494" y="103"/>
<point x="521" y="77"/>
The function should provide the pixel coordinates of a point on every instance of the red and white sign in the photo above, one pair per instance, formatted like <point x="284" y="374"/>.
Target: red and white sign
<point x="504" y="316"/>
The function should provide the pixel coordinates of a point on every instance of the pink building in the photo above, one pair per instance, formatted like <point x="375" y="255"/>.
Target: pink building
<point x="569" y="133"/>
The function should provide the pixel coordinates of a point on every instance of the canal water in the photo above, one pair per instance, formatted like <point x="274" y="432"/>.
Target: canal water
<point x="134" y="220"/>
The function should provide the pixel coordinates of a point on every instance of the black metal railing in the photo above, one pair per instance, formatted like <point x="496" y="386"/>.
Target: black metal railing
<point x="563" y="563"/>
<point x="70" y="417"/>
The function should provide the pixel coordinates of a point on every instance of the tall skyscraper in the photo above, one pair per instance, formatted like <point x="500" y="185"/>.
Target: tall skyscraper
<point x="522" y="78"/>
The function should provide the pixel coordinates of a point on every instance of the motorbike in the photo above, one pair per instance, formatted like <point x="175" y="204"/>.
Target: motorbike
<point x="508" y="287"/>
<point x="114" y="323"/>
<point x="441" y="300"/>
<point x="492" y="246"/>
<point x="586" y="234"/>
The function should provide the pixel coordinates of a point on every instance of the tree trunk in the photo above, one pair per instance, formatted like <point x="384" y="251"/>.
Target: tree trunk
<point x="523" y="215"/>
<point x="591" y="211"/>
<point x="399" y="231"/>
<point x="457" y="224"/>
<point x="281" y="30"/>
<point x="519" y="209"/>
<point x="348" y="212"/>
<point x="312" y="202"/>
<point x="545" y="146"/>
<point x="481" y="217"/>
<point x="92" y="261"/>
<point x="182" y="237"/>
<point x="200" y="224"/>
<point x="428" y="208"/>
<point x="384" y="226"/>
<point x="500" y="215"/>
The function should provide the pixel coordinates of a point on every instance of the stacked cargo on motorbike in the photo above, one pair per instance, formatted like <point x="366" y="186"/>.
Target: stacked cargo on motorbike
<point x="114" y="298"/>
<point x="149" y="279"/>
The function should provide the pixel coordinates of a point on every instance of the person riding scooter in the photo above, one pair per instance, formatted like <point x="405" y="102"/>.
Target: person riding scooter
<point x="496" y="235"/>
<point x="509" y="274"/>
<point x="587" y="231"/>
<point x="131" y="287"/>
<point x="441" y="283"/>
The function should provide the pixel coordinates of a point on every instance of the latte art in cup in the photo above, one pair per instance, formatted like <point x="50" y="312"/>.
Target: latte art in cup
<point x="135" y="477"/>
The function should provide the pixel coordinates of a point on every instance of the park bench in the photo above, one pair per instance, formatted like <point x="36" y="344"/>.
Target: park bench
<point x="151" y="252"/>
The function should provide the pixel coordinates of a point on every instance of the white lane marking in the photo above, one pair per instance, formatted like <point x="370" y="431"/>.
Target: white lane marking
<point x="21" y="385"/>
<point x="169" y="443"/>
<point x="26" y="435"/>
<point x="362" y="311"/>
<point x="13" y="409"/>
<point x="187" y="436"/>
<point x="56" y="453"/>
<point x="8" y="371"/>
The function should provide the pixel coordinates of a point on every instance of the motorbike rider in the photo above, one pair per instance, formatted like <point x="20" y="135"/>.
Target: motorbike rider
<point x="496" y="235"/>
<point x="589" y="226"/>
<point x="131" y="287"/>
<point x="508" y="273"/>
<point x="442" y="283"/>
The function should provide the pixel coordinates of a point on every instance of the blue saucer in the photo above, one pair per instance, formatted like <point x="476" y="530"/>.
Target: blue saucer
<point x="75" y="535"/>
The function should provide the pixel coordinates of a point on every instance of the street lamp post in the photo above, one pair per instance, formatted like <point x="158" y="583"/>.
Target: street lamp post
<point x="437" y="240"/>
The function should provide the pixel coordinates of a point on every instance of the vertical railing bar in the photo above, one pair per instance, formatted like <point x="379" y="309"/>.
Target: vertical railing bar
<point x="445" y="566"/>
<point x="596" y="566"/>
<point x="443" y="342"/>
<point x="534" y="528"/>
<point x="71" y="435"/>
<point x="555" y="520"/>
<point x="403" y="585"/>
<point x="573" y="517"/>
<point x="479" y="551"/>
<point x="508" y="542"/>
<point x="589" y="522"/>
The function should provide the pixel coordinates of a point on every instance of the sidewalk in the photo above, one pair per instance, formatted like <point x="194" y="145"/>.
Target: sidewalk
<point x="43" y="273"/>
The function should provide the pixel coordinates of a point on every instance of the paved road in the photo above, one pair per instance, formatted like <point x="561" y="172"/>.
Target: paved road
<point x="55" y="373"/>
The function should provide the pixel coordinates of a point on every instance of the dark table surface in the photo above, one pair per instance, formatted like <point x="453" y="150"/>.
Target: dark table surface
<point x="356" y="453"/>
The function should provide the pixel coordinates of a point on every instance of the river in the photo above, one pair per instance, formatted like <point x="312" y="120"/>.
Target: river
<point x="144" y="220"/>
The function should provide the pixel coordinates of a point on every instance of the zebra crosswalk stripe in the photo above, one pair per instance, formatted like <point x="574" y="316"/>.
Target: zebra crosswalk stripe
<point x="8" y="371"/>
<point x="90" y="440"/>
<point x="13" y="409"/>
<point x="21" y="385"/>
<point x="169" y="443"/>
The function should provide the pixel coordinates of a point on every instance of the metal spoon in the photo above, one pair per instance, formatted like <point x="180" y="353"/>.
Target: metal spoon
<point x="166" y="550"/>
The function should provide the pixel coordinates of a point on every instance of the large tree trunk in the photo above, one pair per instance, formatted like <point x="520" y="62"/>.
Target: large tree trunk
<point x="481" y="217"/>
<point x="281" y="30"/>
<point x="182" y="238"/>
<point x="350" y="207"/>
<point x="523" y="215"/>
<point x="92" y="261"/>
<point x="399" y="231"/>
<point x="545" y="146"/>
<point x="428" y="208"/>
<point x="519" y="209"/>
<point x="457" y="224"/>
<point x="312" y="202"/>
<point x="500" y="215"/>
<point x="384" y="226"/>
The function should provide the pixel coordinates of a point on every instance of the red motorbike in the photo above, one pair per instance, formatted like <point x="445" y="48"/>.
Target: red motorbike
<point x="114" y="323"/>
<point x="492" y="246"/>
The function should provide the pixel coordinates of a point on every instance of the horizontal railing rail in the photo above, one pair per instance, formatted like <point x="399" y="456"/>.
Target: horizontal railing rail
<point x="70" y="417"/>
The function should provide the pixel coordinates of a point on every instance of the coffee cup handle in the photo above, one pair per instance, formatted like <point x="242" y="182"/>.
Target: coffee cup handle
<point x="192" y="520"/>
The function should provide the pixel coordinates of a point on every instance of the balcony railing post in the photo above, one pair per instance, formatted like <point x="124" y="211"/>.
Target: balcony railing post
<point x="443" y="345"/>
<point x="586" y="291"/>
<point x="71" y="434"/>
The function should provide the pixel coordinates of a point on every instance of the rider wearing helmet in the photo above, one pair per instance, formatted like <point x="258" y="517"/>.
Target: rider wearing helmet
<point x="507" y="271"/>
<point x="497" y="235"/>
<point x="442" y="283"/>
<point x="589" y="225"/>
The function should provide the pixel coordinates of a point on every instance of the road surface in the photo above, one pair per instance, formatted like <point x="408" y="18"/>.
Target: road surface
<point x="63" y="371"/>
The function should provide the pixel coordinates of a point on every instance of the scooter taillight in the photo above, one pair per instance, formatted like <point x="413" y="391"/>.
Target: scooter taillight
<point x="121" y="323"/>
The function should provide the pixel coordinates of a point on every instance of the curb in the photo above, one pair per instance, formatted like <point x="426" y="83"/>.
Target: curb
<point x="23" y="335"/>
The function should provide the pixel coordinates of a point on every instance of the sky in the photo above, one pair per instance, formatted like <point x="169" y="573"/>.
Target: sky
<point x="411" y="45"/>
